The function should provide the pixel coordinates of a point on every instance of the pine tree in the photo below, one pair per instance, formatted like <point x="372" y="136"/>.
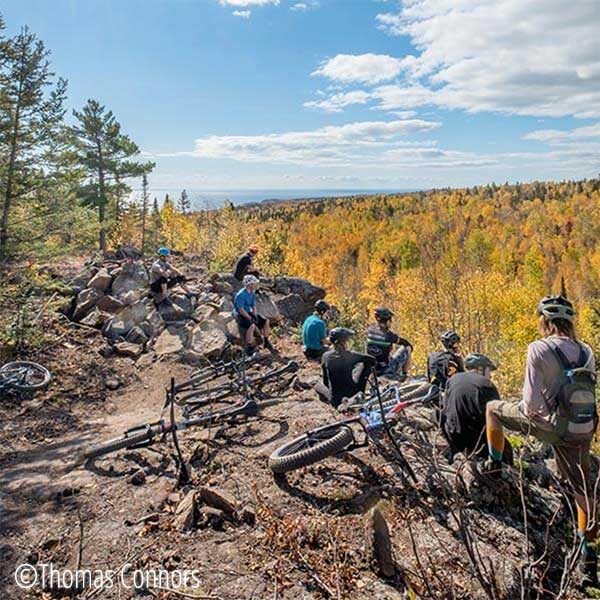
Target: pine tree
<point x="184" y="204"/>
<point x="105" y="154"/>
<point x="31" y="115"/>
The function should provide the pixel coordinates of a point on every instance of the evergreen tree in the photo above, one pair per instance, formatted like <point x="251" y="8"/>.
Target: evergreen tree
<point x="31" y="115"/>
<point x="105" y="154"/>
<point x="184" y="205"/>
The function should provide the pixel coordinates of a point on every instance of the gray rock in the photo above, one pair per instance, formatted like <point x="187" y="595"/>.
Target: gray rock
<point x="171" y="311"/>
<point x="116" y="328"/>
<point x="131" y="277"/>
<point x="110" y="304"/>
<point x="217" y="499"/>
<point x="378" y="542"/>
<point x="112" y="383"/>
<point x="133" y="296"/>
<point x="135" y="313"/>
<point x="86" y="301"/>
<point x="221" y="278"/>
<point x="96" y="318"/>
<point x="137" y="336"/>
<point x="186" y="513"/>
<point x="222" y="287"/>
<point x="80" y="281"/>
<point x="226" y="304"/>
<point x="170" y="340"/>
<point x="137" y="478"/>
<point x="100" y="281"/>
<point x="266" y="307"/>
<point x="210" y="517"/>
<point x="294" y="307"/>
<point x="128" y="349"/>
<point x="208" y="339"/>
<point x="295" y="285"/>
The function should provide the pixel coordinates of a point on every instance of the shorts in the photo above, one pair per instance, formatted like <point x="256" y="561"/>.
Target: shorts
<point x="245" y="323"/>
<point x="572" y="459"/>
<point x="156" y="286"/>
<point x="313" y="353"/>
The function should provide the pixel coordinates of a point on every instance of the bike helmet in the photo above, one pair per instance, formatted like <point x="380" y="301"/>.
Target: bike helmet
<point x="321" y="306"/>
<point x="339" y="334"/>
<point x="475" y="360"/>
<point x="250" y="280"/>
<point x="163" y="252"/>
<point x="556" y="307"/>
<point x="383" y="314"/>
<point x="449" y="339"/>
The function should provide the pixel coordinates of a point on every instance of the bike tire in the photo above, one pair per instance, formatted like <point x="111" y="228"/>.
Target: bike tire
<point x="294" y="455"/>
<point x="43" y="373"/>
<point x="118" y="444"/>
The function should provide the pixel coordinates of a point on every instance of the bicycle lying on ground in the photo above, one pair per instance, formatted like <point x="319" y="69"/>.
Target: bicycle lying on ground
<point x="374" y="417"/>
<point x="23" y="376"/>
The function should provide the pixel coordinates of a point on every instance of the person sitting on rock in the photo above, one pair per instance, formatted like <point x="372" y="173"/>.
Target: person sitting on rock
<point x="380" y="340"/>
<point x="245" y="264"/>
<point x="345" y="373"/>
<point x="249" y="321"/>
<point x="314" y="332"/>
<point x="164" y="276"/>
<point x="441" y="365"/>
<point x="558" y="407"/>
<point x="463" y="409"/>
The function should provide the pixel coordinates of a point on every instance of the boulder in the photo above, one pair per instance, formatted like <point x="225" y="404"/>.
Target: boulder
<point x="186" y="513"/>
<point x="217" y="499"/>
<point x="137" y="335"/>
<point x="221" y="278"/>
<point x="80" y="281"/>
<point x="155" y="321"/>
<point x="127" y="252"/>
<point x="135" y="313"/>
<point x="226" y="304"/>
<point x="295" y="285"/>
<point x="96" y="318"/>
<point x="86" y="301"/>
<point x="100" y="281"/>
<point x="208" y="339"/>
<point x="116" y="328"/>
<point x="210" y="517"/>
<point x="110" y="304"/>
<point x="222" y="287"/>
<point x="170" y="340"/>
<point x="128" y="349"/>
<point x="378" y="542"/>
<point x="133" y="296"/>
<point x="266" y="307"/>
<point x="175" y="309"/>
<point x="294" y="307"/>
<point x="131" y="278"/>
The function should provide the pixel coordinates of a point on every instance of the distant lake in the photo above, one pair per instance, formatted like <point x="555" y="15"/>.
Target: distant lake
<point x="216" y="198"/>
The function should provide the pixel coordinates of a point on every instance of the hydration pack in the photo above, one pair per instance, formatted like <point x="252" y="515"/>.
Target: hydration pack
<point x="576" y="416"/>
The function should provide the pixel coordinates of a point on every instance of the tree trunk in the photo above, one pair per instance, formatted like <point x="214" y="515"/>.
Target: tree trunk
<point x="101" y="198"/>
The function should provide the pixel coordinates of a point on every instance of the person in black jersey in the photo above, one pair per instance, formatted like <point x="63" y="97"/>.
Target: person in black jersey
<point x="345" y="373"/>
<point x="380" y="341"/>
<point x="245" y="264"/>
<point x="445" y="363"/>
<point x="464" y="406"/>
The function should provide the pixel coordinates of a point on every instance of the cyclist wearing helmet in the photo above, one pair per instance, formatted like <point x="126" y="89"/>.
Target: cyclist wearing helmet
<point x="380" y="339"/>
<point x="443" y="364"/>
<point x="463" y="408"/>
<point x="558" y="407"/>
<point x="164" y="276"/>
<point x="314" y="332"/>
<point x="345" y="373"/>
<point x="244" y="264"/>
<point x="249" y="321"/>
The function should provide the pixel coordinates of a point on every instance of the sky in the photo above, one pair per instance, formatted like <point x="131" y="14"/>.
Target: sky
<point x="371" y="94"/>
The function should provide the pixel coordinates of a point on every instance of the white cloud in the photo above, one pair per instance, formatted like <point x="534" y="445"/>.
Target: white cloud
<point x="339" y="145"/>
<point x="244" y="14"/>
<point x="557" y="136"/>
<point x="247" y="3"/>
<point x="304" y="6"/>
<point x="362" y="68"/>
<point x="509" y="56"/>
<point x="337" y="102"/>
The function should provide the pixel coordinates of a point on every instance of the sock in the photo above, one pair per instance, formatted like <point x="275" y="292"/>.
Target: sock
<point x="495" y="440"/>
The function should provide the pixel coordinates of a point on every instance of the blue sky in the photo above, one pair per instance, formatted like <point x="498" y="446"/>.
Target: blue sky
<point x="227" y="94"/>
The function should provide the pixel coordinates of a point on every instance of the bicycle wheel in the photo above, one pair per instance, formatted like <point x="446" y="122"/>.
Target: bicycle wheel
<point x="25" y="376"/>
<point x="120" y="443"/>
<point x="311" y="447"/>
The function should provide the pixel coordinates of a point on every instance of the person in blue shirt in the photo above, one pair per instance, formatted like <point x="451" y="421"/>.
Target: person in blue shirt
<point x="244" y="311"/>
<point x="314" y="332"/>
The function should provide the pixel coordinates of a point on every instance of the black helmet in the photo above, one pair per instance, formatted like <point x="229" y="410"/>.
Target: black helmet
<point x="475" y="360"/>
<point x="450" y="339"/>
<point x="556" y="307"/>
<point x="383" y="314"/>
<point x="339" y="334"/>
<point x="321" y="306"/>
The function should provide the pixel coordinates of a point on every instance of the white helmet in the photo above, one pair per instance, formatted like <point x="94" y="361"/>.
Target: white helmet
<point x="250" y="280"/>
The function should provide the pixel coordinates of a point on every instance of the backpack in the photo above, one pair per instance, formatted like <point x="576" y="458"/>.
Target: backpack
<point x="575" y="416"/>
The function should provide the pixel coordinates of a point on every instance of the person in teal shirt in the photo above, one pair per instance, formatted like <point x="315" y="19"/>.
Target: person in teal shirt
<point x="314" y="332"/>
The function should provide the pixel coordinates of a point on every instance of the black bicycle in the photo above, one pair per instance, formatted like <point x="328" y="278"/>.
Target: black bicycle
<point x="23" y="376"/>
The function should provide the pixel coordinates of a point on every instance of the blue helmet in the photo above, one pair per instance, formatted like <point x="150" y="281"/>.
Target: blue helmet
<point x="163" y="252"/>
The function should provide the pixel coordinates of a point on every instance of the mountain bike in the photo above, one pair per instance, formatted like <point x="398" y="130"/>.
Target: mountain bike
<point x="373" y="418"/>
<point x="238" y="385"/>
<point x="23" y="376"/>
